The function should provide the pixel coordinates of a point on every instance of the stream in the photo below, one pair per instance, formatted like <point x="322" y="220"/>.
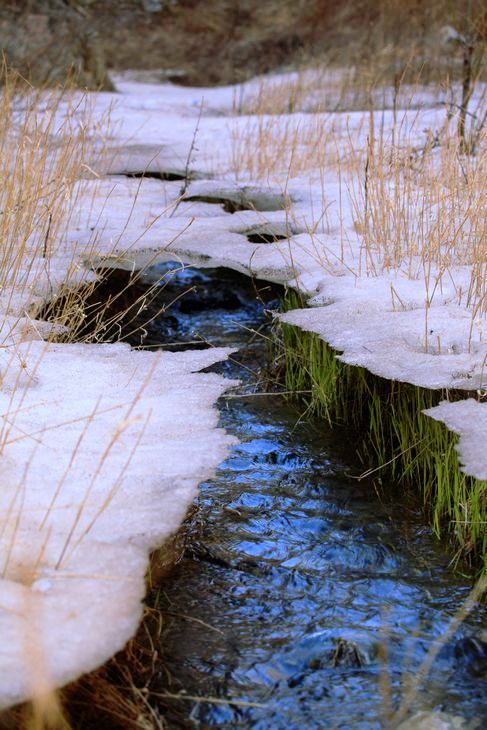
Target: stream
<point x="296" y="573"/>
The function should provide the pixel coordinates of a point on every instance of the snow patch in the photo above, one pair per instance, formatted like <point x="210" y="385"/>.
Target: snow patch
<point x="468" y="419"/>
<point x="103" y="449"/>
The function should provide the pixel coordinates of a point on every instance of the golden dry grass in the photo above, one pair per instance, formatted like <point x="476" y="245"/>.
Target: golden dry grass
<point x="40" y="159"/>
<point x="418" y="200"/>
<point x="421" y="211"/>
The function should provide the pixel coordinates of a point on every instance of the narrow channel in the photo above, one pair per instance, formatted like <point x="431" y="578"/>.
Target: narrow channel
<point x="296" y="573"/>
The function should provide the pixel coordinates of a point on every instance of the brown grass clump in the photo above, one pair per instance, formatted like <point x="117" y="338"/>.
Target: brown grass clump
<point x="421" y="210"/>
<point x="117" y="696"/>
<point x="40" y="159"/>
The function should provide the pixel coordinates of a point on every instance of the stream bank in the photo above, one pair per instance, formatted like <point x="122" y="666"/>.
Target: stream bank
<point x="294" y="570"/>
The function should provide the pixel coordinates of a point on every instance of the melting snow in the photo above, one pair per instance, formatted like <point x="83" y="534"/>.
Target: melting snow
<point x="102" y="447"/>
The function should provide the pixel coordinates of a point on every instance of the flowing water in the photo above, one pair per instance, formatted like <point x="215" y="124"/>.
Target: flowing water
<point x="296" y="573"/>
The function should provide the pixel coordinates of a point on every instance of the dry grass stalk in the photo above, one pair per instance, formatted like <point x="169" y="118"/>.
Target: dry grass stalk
<point x="40" y="159"/>
<point x="270" y="147"/>
<point x="422" y="212"/>
<point x="419" y="207"/>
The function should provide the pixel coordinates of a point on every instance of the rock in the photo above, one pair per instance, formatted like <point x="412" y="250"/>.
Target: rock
<point x="152" y="6"/>
<point x="435" y="721"/>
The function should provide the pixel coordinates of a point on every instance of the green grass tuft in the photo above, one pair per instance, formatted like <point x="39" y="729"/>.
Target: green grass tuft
<point x="396" y="438"/>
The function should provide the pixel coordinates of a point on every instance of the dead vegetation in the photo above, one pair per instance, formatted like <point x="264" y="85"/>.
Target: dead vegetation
<point x="205" y="42"/>
<point x="42" y="156"/>
<point x="114" y="697"/>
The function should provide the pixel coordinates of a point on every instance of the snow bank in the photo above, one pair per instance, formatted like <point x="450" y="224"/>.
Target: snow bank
<point x="103" y="449"/>
<point x="468" y="419"/>
<point x="412" y="322"/>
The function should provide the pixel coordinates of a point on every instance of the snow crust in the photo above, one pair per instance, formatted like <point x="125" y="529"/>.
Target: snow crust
<point x="392" y="344"/>
<point x="103" y="450"/>
<point x="468" y="419"/>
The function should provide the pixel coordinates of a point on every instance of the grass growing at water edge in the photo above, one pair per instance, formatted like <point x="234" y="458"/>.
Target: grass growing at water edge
<point x="396" y="439"/>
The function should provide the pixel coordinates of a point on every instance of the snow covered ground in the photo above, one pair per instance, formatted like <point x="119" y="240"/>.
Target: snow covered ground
<point x="102" y="447"/>
<point x="412" y="307"/>
<point x="102" y="452"/>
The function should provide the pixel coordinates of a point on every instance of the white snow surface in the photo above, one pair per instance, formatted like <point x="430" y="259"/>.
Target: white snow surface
<point x="103" y="449"/>
<point x="468" y="419"/>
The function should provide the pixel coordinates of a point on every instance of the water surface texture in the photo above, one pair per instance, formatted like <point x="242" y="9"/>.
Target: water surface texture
<point x="295" y="570"/>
